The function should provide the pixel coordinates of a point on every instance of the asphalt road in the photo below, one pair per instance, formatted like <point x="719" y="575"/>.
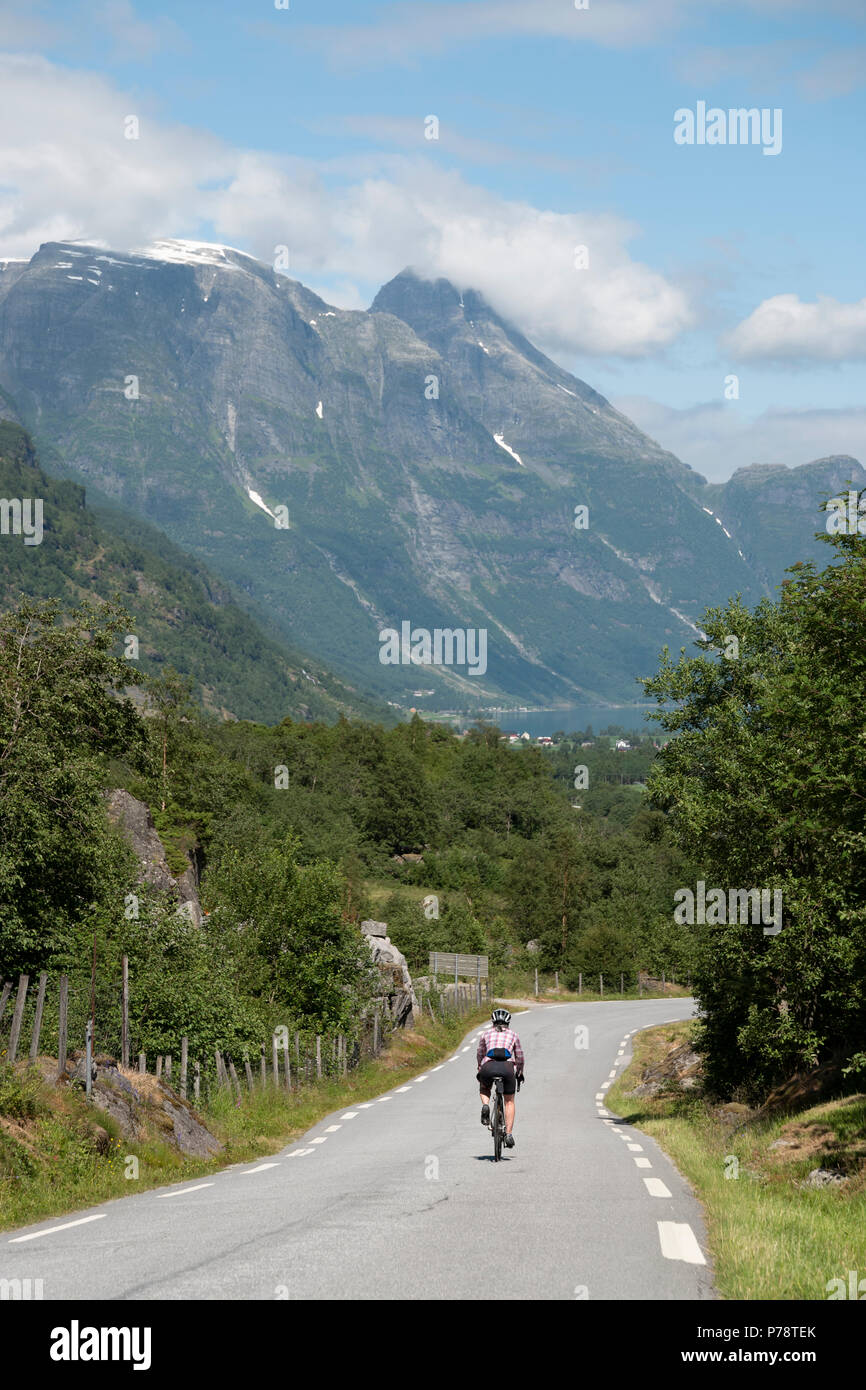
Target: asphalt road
<point x="398" y="1198"/>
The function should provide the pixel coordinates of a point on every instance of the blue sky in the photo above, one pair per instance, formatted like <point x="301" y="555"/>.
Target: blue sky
<point x="305" y="127"/>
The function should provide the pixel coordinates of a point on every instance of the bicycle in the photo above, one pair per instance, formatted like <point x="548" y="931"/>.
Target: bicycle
<point x="497" y="1116"/>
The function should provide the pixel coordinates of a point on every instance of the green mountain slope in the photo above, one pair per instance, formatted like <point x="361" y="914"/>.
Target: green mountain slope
<point x="182" y="616"/>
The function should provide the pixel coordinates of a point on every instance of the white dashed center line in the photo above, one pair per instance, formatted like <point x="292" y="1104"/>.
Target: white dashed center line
<point x="350" y="1114"/>
<point x="332" y="1128"/>
<point x="36" y="1235"/>
<point x="321" y="1140"/>
<point x="261" y="1168"/>
<point x="403" y="1088"/>
<point x="656" y="1188"/>
<point x="678" y="1242"/>
<point x="643" y="1163"/>
<point x="182" y="1191"/>
<point x="636" y="1148"/>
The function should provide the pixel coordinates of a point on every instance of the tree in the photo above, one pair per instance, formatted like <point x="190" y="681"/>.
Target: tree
<point x="62" y="714"/>
<point x="765" y="786"/>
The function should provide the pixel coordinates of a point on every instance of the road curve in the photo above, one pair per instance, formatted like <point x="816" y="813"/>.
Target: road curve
<point x="398" y="1198"/>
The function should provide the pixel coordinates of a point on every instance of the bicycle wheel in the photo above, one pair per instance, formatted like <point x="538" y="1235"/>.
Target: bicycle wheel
<point x="498" y="1121"/>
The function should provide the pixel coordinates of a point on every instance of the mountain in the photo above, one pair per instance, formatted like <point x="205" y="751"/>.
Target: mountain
<point x="429" y="457"/>
<point x="774" y="511"/>
<point x="181" y="615"/>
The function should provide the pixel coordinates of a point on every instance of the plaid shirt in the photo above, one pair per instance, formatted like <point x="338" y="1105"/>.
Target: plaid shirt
<point x="501" y="1037"/>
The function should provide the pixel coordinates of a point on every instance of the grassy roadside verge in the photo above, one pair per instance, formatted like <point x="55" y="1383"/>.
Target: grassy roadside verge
<point x="58" y="1154"/>
<point x="770" y="1237"/>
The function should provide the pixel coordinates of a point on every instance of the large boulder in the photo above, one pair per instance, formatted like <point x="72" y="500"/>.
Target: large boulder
<point x="135" y="823"/>
<point x="143" y="1107"/>
<point x="398" y="993"/>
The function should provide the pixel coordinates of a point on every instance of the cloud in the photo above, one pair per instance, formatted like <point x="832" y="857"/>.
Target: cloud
<point x="400" y="32"/>
<point x="717" y="438"/>
<point x="784" y="328"/>
<point x="134" y="37"/>
<point x="70" y="173"/>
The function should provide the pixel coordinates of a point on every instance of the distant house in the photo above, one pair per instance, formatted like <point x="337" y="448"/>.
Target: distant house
<point x="544" y="740"/>
<point x="588" y="743"/>
<point x="623" y="745"/>
<point x="525" y="736"/>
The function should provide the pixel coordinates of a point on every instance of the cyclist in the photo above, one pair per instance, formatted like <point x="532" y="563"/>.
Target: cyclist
<point x="499" y="1054"/>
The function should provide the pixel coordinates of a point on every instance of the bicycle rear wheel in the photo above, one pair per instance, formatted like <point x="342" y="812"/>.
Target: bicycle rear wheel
<point x="498" y="1119"/>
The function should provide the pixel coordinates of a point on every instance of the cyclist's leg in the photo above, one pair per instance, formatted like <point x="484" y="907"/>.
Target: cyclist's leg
<point x="509" y="1114"/>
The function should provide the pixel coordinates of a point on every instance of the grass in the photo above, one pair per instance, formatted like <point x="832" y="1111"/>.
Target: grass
<point x="58" y="1154"/>
<point x="770" y="1237"/>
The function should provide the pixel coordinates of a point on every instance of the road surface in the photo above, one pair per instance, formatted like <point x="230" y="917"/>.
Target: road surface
<point x="398" y="1198"/>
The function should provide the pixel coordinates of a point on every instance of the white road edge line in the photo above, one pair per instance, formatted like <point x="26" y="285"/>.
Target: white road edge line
<point x="350" y="1114"/>
<point x="332" y="1128"/>
<point x="321" y="1140"/>
<point x="35" y="1235"/>
<point x="679" y="1242"/>
<point x="636" y="1148"/>
<point x="656" y="1188"/>
<point x="643" y="1163"/>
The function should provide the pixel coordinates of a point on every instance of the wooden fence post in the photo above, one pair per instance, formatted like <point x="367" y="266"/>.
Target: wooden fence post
<point x="287" y="1062"/>
<point x="17" y="1016"/>
<point x="318" y="1056"/>
<point x="601" y="985"/>
<point x="62" y="1025"/>
<point x="184" y="1058"/>
<point x="234" y="1076"/>
<point x="168" y="1068"/>
<point x="4" y="997"/>
<point x="536" y="981"/>
<point x="37" y="1022"/>
<point x="580" y="983"/>
<point x="124" y="1022"/>
<point x="275" y="1061"/>
<point x="263" y="1067"/>
<point x="158" y="1067"/>
<point x="249" y="1072"/>
<point x="375" y="1032"/>
<point x="621" y="983"/>
<point x="142" y="1062"/>
<point x="196" y="1081"/>
<point x="219" y="1066"/>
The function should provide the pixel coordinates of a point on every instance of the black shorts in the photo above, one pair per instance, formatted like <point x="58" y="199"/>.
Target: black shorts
<point x="491" y="1068"/>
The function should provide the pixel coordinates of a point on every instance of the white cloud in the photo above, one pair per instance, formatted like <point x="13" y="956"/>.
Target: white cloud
<point x="400" y="32"/>
<point x="70" y="173"/>
<point x="717" y="438"/>
<point x="785" y="328"/>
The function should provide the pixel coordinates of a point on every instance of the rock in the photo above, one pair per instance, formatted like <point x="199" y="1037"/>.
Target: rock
<point x="532" y="947"/>
<point x="134" y="821"/>
<point x="374" y="928"/>
<point x="783" y="1144"/>
<point x="190" y="1135"/>
<point x="398" y="992"/>
<point x="138" y="1102"/>
<point x="824" y="1177"/>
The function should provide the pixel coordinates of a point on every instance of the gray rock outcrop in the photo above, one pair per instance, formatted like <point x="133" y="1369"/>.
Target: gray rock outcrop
<point x="398" y="992"/>
<point x="134" y="821"/>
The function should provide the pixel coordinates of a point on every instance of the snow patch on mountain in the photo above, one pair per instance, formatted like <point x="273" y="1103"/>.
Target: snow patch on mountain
<point x="256" y="497"/>
<point x="500" y="440"/>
